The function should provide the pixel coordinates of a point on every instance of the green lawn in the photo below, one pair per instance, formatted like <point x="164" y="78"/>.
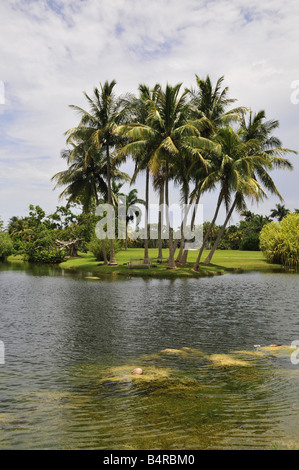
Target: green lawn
<point x="222" y="262"/>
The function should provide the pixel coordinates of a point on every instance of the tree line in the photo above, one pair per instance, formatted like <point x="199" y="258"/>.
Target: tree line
<point x="194" y="137"/>
<point x="50" y="238"/>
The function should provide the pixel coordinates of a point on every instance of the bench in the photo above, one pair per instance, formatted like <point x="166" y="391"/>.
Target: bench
<point x="139" y="263"/>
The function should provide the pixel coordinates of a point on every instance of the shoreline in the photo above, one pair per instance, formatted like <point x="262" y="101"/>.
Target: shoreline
<point x="224" y="262"/>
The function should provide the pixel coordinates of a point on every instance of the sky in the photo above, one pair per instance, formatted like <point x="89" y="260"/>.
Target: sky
<point x="52" y="50"/>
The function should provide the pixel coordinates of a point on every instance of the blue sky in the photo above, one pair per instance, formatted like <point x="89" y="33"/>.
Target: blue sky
<point x="52" y="51"/>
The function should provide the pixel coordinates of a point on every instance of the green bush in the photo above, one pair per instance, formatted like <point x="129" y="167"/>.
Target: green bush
<point x="40" y="246"/>
<point x="6" y="246"/>
<point x="95" y="246"/>
<point x="280" y="241"/>
<point x="251" y="242"/>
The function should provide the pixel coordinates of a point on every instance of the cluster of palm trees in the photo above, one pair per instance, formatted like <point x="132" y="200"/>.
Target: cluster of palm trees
<point x="189" y="136"/>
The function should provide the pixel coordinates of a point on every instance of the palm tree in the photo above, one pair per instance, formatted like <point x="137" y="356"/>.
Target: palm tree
<point x="181" y="177"/>
<point x="85" y="178"/>
<point x="167" y="135"/>
<point x="97" y="128"/>
<point x="139" y="110"/>
<point x="245" y="171"/>
<point x="257" y="132"/>
<point x="279" y="212"/>
<point x="235" y="175"/>
<point x="257" y="128"/>
<point x="209" y="105"/>
<point x="132" y="210"/>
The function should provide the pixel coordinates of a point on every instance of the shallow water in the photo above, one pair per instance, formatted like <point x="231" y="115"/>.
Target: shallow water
<point x="71" y="344"/>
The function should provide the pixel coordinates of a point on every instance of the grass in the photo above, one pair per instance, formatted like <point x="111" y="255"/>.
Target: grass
<point x="223" y="261"/>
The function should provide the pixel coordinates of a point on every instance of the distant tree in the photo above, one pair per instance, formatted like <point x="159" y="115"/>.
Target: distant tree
<point x="6" y="246"/>
<point x="132" y="210"/>
<point x="279" y="212"/>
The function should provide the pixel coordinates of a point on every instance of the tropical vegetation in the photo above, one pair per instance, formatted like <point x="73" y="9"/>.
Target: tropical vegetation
<point x="280" y="241"/>
<point x="194" y="138"/>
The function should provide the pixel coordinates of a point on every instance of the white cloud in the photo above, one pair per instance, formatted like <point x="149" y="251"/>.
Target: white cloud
<point x="53" y="50"/>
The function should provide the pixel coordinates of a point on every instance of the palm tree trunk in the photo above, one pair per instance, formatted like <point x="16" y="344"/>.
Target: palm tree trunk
<point x="185" y="254"/>
<point x="112" y="261"/>
<point x="126" y="239"/>
<point x="102" y="239"/>
<point x="171" y="262"/>
<point x="146" y="259"/>
<point x="160" y="221"/>
<point x="209" y="257"/>
<point x="182" y="241"/>
<point x="220" y="198"/>
<point x="194" y="210"/>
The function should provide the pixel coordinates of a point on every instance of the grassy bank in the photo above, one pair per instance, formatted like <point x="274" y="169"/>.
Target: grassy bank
<point x="224" y="261"/>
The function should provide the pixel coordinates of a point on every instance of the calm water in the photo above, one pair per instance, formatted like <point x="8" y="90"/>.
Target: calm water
<point x="71" y="344"/>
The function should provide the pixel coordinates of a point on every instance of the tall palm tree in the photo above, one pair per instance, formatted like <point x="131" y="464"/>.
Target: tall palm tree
<point x="86" y="178"/>
<point x="244" y="171"/>
<point x="82" y="179"/>
<point x="167" y="135"/>
<point x="97" y="127"/>
<point x="209" y="105"/>
<point x="181" y="177"/>
<point x="142" y="157"/>
<point x="257" y="132"/>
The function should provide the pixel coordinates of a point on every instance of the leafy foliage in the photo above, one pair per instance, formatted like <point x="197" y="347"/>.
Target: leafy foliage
<point x="35" y="236"/>
<point x="280" y="241"/>
<point x="95" y="246"/>
<point x="6" y="246"/>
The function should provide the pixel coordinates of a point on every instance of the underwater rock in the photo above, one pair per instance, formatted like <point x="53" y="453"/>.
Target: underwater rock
<point x="137" y="371"/>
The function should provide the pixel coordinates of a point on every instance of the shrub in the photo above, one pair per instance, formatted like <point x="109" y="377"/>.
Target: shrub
<point x="6" y="246"/>
<point x="251" y="242"/>
<point x="40" y="247"/>
<point x="280" y="241"/>
<point x="95" y="246"/>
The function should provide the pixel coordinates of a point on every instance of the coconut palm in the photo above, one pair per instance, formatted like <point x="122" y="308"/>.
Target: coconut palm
<point x="142" y="157"/>
<point x="255" y="126"/>
<point x="85" y="178"/>
<point x="209" y="105"/>
<point x="279" y="212"/>
<point x="97" y="128"/>
<point x="168" y="134"/>
<point x="256" y="131"/>
<point x="244" y="171"/>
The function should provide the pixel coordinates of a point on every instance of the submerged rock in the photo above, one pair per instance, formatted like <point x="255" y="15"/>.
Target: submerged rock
<point x="137" y="371"/>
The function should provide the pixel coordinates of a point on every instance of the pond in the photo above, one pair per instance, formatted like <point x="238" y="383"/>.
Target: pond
<point x="208" y="380"/>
